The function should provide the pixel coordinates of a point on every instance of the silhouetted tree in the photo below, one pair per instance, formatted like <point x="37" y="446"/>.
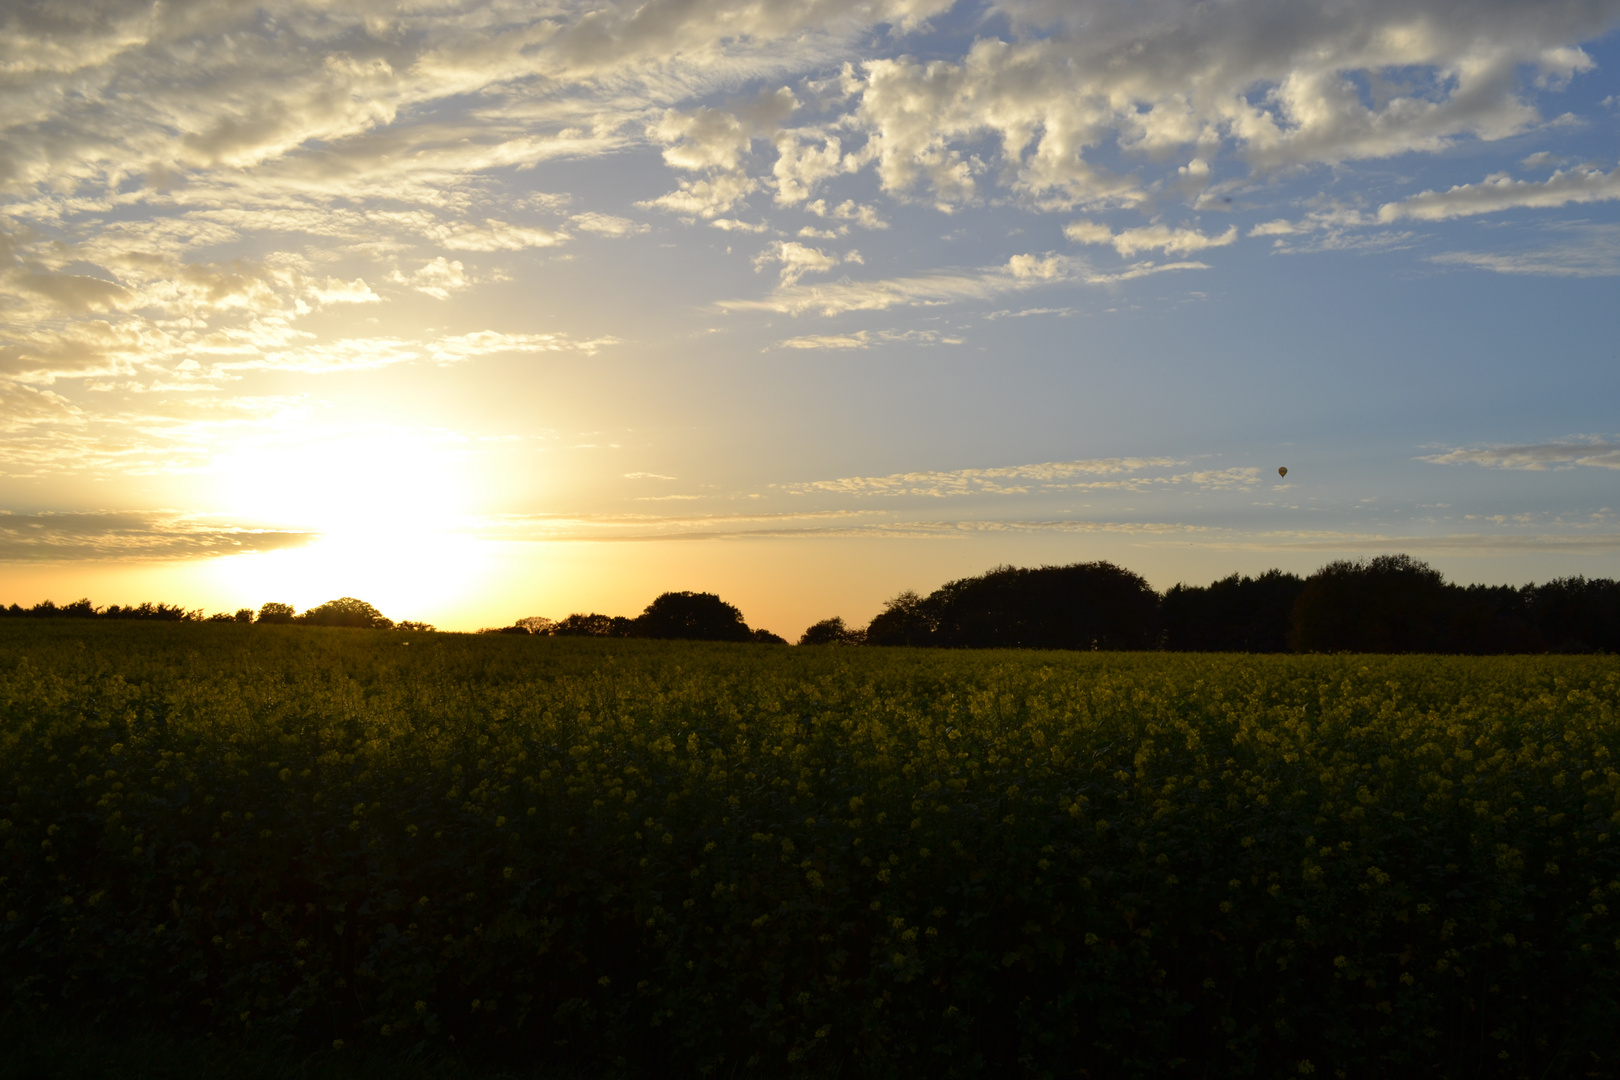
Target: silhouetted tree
<point x="831" y="632"/>
<point x="411" y="624"/>
<point x="593" y="625"/>
<point x="692" y="616"/>
<point x="908" y="619"/>
<point x="1483" y="619"/>
<point x="765" y="637"/>
<point x="1234" y="614"/>
<point x="1576" y="614"/>
<point x="346" y="611"/>
<point x="1085" y="606"/>
<point x="152" y="612"/>
<point x="276" y="613"/>
<point x="536" y="624"/>
<point x="1390" y="604"/>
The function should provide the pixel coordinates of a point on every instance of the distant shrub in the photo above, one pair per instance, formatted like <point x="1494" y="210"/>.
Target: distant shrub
<point x="832" y="632"/>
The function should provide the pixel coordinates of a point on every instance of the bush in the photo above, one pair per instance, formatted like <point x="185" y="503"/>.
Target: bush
<point x="832" y="632"/>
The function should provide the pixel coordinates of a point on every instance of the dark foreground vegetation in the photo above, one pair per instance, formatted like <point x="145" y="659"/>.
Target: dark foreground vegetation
<point x="669" y="858"/>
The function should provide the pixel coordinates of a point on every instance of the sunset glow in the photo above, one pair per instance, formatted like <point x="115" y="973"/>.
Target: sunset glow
<point x="481" y="310"/>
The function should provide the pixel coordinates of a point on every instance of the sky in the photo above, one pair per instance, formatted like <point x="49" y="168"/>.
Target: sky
<point x="482" y="310"/>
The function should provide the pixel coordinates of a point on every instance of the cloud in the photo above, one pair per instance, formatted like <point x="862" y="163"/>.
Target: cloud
<point x="831" y="524"/>
<point x="1586" y="250"/>
<point x="608" y="225"/>
<point x="716" y="142"/>
<point x="1019" y="273"/>
<point x="52" y="537"/>
<point x="26" y="407"/>
<point x="848" y="210"/>
<point x="1097" y="474"/>
<point x="437" y="278"/>
<point x="494" y="235"/>
<point x="1147" y="238"/>
<point x="1500" y="192"/>
<point x="865" y="339"/>
<point x="1539" y="457"/>
<point x="1275" y="84"/>
<point x="797" y="260"/>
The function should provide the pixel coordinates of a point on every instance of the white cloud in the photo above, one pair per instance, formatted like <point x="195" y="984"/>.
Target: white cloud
<point x="797" y="260"/>
<point x="738" y="225"/>
<point x="865" y="339"/>
<point x="1097" y="474"/>
<point x="1128" y="242"/>
<point x="608" y="225"/>
<point x="438" y="278"/>
<point x="492" y="235"/>
<point x="848" y="210"/>
<point x="1595" y="451"/>
<point x="1500" y="192"/>
<point x="1019" y="273"/>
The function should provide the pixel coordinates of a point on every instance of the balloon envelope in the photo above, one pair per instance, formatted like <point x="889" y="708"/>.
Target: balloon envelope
<point x="1283" y="471"/>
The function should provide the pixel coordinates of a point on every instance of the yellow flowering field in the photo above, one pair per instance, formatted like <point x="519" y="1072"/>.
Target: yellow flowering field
<point x="753" y="860"/>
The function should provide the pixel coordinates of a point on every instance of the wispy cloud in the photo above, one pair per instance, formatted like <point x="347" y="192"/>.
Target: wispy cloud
<point x="831" y="524"/>
<point x="1597" y="451"/>
<point x="1018" y="274"/>
<point x="865" y="339"/>
<point x="50" y="537"/>
<point x="1099" y="474"/>
<point x="1501" y="191"/>
<point x="1163" y="238"/>
<point x="1588" y="250"/>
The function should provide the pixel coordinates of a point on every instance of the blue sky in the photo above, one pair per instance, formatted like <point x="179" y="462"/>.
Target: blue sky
<point x="480" y="310"/>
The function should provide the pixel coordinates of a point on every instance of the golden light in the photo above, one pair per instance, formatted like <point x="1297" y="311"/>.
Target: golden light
<point x="385" y="505"/>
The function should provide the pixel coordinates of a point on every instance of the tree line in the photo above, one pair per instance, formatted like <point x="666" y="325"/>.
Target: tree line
<point x="345" y="611"/>
<point x="1389" y="604"/>
<point x="672" y="616"/>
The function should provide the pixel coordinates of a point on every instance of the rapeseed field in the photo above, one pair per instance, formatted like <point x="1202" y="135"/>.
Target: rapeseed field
<point x="741" y="860"/>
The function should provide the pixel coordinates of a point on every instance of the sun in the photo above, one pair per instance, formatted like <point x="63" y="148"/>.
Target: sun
<point x="389" y="512"/>
<point x="365" y="483"/>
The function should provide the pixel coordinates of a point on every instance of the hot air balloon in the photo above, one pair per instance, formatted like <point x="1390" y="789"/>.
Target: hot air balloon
<point x="1283" y="471"/>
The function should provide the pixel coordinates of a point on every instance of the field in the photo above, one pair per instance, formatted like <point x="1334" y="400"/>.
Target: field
<point x="636" y="856"/>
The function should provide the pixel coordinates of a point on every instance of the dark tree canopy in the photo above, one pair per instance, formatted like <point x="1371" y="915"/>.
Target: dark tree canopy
<point x="276" y="613"/>
<point x="348" y="612"/>
<point x="908" y="619"/>
<point x="1084" y="606"/>
<point x="592" y="625"/>
<point x="1235" y="614"/>
<point x="831" y="632"/>
<point x="1390" y="604"/>
<point x="692" y="616"/>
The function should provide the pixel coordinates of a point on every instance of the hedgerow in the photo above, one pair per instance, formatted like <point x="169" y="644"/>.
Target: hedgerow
<point x="742" y="860"/>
